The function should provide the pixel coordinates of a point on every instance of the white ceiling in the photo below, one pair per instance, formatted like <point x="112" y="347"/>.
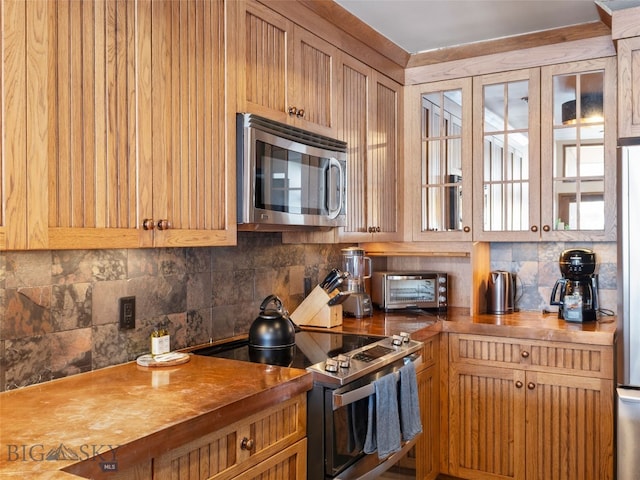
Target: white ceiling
<point x="422" y="25"/>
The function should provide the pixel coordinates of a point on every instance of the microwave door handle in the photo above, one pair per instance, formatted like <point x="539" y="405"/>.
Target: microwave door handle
<point x="335" y="163"/>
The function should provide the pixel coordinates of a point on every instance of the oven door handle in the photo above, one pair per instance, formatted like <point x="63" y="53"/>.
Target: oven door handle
<point x="343" y="399"/>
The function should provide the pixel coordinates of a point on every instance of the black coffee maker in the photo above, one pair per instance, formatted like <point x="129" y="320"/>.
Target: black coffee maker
<point x="578" y="287"/>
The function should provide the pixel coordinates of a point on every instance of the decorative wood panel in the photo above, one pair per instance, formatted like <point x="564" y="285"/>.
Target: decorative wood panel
<point x="426" y="449"/>
<point x="628" y="87"/>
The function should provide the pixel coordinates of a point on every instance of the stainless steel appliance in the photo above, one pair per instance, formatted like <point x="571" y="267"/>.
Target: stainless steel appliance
<point x="576" y="293"/>
<point x="402" y="290"/>
<point x="344" y="368"/>
<point x="628" y="335"/>
<point x="501" y="292"/>
<point x="358" y="267"/>
<point x="287" y="176"/>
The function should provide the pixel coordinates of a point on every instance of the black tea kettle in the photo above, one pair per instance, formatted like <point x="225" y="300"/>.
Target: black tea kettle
<point x="273" y="328"/>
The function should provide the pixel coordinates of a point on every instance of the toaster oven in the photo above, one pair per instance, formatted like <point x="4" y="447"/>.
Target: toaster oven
<point x="401" y="290"/>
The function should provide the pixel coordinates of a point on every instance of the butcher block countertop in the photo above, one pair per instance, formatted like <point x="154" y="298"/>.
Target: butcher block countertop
<point x="127" y="413"/>
<point x="525" y="325"/>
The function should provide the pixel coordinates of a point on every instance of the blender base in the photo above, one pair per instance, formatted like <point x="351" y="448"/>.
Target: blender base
<point x="358" y="305"/>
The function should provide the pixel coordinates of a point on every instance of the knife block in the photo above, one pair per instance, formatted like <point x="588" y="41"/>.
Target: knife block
<point x="314" y="311"/>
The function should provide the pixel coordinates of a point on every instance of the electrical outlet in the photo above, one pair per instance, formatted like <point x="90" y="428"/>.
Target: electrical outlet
<point x="127" y="312"/>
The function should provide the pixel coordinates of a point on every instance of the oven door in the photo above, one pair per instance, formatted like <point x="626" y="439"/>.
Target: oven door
<point x="345" y="417"/>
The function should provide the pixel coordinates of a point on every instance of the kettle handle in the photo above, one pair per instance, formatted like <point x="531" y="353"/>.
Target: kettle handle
<point x="271" y="298"/>
<point x="562" y="282"/>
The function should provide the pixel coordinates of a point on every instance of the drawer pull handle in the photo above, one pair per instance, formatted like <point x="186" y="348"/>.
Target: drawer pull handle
<point x="466" y="229"/>
<point x="531" y="385"/>
<point x="525" y="354"/>
<point x="247" y="444"/>
<point x="519" y="384"/>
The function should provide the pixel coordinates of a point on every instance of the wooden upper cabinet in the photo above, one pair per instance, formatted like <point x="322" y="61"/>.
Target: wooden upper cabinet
<point x="285" y="73"/>
<point x="183" y="122"/>
<point x="438" y="160"/>
<point x="578" y="151"/>
<point x="369" y="123"/>
<point x="629" y="87"/>
<point x="128" y="125"/>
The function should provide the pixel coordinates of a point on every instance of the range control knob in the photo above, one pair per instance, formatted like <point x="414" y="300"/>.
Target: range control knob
<point x="442" y="299"/>
<point x="344" y="361"/>
<point x="331" y="365"/>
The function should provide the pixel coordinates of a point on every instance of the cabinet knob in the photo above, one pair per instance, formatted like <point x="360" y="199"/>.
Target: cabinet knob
<point x="378" y="229"/>
<point x="519" y="384"/>
<point x="466" y="229"/>
<point x="163" y="224"/>
<point x="292" y="111"/>
<point x="525" y="354"/>
<point x="148" y="224"/>
<point x="534" y="228"/>
<point x="531" y="385"/>
<point x="546" y="228"/>
<point x="300" y="113"/>
<point x="247" y="443"/>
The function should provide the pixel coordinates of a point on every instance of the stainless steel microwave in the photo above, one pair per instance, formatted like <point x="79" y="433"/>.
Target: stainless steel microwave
<point x="400" y="290"/>
<point x="287" y="176"/>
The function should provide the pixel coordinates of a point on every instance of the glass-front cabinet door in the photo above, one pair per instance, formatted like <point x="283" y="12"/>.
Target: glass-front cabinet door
<point x="440" y="169"/>
<point x="506" y="156"/>
<point x="578" y="150"/>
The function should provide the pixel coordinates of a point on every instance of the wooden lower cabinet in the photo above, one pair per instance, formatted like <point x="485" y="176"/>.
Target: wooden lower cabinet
<point x="271" y="444"/>
<point x="521" y="409"/>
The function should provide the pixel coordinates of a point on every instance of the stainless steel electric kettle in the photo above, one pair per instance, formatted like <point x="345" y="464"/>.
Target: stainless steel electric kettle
<point x="501" y="292"/>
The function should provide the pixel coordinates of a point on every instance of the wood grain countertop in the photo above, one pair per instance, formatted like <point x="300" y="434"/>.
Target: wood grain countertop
<point x="525" y="325"/>
<point x="128" y="413"/>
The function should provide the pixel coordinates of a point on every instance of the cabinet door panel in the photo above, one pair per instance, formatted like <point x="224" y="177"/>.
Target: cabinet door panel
<point x="92" y="167"/>
<point x="188" y="120"/>
<point x="354" y="91"/>
<point x="487" y="436"/>
<point x="569" y="427"/>
<point x="313" y="69"/>
<point x="262" y="51"/>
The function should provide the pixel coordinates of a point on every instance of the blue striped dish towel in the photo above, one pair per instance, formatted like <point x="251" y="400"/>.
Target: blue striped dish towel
<point x="410" y="421"/>
<point x="383" y="425"/>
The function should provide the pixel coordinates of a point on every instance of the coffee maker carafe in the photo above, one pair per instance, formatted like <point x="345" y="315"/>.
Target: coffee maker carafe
<point x="358" y="303"/>
<point x="576" y="293"/>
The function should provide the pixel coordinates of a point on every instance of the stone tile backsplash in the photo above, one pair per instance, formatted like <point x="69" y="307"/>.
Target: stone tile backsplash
<point x="59" y="309"/>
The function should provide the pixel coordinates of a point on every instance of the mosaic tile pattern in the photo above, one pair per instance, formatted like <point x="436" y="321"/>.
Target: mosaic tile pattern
<point x="59" y="309"/>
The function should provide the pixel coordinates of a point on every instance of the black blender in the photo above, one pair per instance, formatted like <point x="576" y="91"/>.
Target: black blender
<point x="578" y="287"/>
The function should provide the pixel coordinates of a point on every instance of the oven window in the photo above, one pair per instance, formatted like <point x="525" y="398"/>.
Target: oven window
<point x="418" y="290"/>
<point x="346" y="440"/>
<point x="289" y="181"/>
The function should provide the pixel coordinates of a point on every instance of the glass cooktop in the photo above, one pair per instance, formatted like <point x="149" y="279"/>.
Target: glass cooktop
<point x="311" y="347"/>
